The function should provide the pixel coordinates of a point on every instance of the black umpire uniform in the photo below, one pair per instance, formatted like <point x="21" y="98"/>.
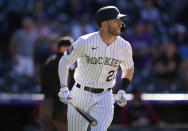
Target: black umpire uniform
<point x="52" y="113"/>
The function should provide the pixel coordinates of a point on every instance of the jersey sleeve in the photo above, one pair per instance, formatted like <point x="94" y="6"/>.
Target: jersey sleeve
<point x="128" y="61"/>
<point x="73" y="53"/>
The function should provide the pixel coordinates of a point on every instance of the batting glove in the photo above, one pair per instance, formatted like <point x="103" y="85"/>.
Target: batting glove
<point x="64" y="95"/>
<point x="122" y="98"/>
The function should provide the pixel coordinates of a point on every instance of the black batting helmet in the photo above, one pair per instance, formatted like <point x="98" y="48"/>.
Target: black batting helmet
<point x="108" y="13"/>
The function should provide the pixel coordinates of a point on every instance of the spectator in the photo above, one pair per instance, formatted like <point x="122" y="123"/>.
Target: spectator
<point x="183" y="51"/>
<point x="42" y="27"/>
<point x="43" y="51"/>
<point x="22" y="48"/>
<point x="61" y="26"/>
<point x="142" y="44"/>
<point x="52" y="111"/>
<point x="181" y="41"/>
<point x="36" y="8"/>
<point x="180" y="37"/>
<point x="185" y="74"/>
<point x="138" y="113"/>
<point x="167" y="65"/>
<point x="46" y="49"/>
<point x="178" y="8"/>
<point x="149" y="12"/>
<point x="149" y="29"/>
<point x="77" y="7"/>
<point x="82" y="27"/>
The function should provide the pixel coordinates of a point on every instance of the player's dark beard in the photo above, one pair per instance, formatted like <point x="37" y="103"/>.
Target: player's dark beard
<point x="113" y="31"/>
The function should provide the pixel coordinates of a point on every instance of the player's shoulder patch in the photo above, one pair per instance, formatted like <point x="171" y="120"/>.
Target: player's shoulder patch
<point x="70" y="49"/>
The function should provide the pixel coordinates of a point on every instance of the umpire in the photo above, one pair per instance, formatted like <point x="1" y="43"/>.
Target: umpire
<point x="52" y="113"/>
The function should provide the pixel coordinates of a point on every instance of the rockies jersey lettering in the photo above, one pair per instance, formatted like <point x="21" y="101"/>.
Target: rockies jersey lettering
<point x="106" y="61"/>
<point x="97" y="62"/>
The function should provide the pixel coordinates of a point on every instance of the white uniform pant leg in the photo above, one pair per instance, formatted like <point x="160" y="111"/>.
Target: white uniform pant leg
<point x="103" y="112"/>
<point x="76" y="122"/>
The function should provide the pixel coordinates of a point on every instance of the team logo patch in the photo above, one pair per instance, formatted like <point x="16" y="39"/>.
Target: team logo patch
<point x="70" y="49"/>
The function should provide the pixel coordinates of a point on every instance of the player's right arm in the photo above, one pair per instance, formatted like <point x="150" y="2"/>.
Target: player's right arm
<point x="70" y="56"/>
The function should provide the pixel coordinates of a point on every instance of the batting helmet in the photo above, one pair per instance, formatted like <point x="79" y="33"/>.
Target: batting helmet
<point x="108" y="13"/>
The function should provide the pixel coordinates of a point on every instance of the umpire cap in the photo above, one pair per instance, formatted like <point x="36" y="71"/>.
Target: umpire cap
<point x="107" y="13"/>
<point x="65" y="41"/>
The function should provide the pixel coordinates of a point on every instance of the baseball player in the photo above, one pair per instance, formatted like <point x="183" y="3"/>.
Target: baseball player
<point x="98" y="57"/>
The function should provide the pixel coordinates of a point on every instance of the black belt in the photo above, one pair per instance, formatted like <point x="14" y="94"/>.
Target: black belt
<point x="92" y="90"/>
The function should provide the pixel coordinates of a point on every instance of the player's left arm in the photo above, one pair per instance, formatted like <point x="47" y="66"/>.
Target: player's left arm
<point x="126" y="78"/>
<point x="127" y="67"/>
<point x="127" y="74"/>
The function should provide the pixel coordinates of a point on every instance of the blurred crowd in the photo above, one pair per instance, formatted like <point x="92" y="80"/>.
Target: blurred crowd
<point x="156" y="29"/>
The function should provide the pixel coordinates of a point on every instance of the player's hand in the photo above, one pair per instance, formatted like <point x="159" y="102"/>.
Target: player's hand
<point x="122" y="98"/>
<point x="64" y="95"/>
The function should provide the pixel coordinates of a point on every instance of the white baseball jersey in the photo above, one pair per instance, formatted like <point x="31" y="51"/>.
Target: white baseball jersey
<point x="97" y="62"/>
